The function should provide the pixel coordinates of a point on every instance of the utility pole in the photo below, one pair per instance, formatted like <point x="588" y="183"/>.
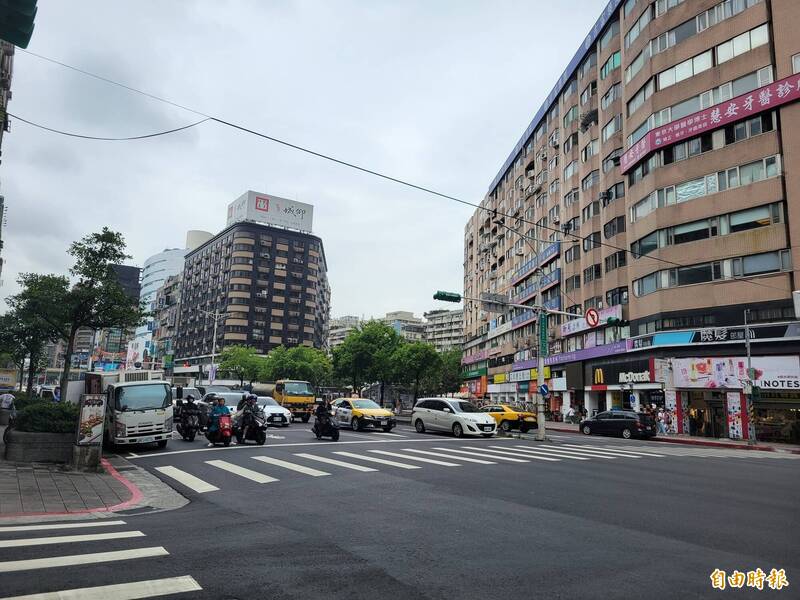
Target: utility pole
<point x="751" y="427"/>
<point x="216" y="316"/>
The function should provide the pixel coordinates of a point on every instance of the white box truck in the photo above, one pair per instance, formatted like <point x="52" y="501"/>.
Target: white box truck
<point x="138" y="406"/>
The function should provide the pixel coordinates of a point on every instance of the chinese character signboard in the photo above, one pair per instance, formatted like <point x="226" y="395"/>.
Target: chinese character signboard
<point x="771" y="373"/>
<point x="748" y="104"/>
<point x="271" y="210"/>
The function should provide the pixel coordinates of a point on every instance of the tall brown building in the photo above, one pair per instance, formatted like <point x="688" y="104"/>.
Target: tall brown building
<point x="271" y="283"/>
<point x="659" y="185"/>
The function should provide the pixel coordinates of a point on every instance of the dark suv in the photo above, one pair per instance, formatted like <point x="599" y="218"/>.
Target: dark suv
<point x="626" y="423"/>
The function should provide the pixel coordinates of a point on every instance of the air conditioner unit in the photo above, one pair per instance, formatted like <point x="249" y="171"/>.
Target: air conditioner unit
<point x="556" y="220"/>
<point x="543" y="156"/>
<point x="554" y="143"/>
<point x="616" y="161"/>
<point x="605" y="196"/>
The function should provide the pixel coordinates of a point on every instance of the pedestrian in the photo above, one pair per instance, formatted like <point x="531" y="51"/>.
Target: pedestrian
<point x="668" y="422"/>
<point x="571" y="415"/>
<point x="660" y="418"/>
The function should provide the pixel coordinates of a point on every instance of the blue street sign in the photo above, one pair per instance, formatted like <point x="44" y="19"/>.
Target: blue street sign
<point x="544" y="390"/>
<point x="632" y="399"/>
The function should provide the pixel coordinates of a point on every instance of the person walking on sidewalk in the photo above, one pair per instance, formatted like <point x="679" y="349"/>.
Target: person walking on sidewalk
<point x="571" y="415"/>
<point x="661" y="420"/>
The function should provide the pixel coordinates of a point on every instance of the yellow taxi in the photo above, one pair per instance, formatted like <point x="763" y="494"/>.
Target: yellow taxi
<point x="509" y="417"/>
<point x="360" y="413"/>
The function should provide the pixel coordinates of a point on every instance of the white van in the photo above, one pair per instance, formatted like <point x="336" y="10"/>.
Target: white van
<point x="451" y="414"/>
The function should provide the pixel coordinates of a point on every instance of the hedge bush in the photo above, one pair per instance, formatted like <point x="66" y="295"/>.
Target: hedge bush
<point x="21" y="400"/>
<point x="48" y="417"/>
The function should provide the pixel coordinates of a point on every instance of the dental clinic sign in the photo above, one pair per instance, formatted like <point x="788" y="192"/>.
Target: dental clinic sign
<point x="751" y="103"/>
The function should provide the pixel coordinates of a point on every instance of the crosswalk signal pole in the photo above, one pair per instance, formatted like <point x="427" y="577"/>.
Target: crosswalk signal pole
<point x="540" y="431"/>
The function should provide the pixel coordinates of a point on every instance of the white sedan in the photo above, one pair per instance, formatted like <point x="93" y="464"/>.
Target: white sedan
<point x="276" y="414"/>
<point x="451" y="414"/>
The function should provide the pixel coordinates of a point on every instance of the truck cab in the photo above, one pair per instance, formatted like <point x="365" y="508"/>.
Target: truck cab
<point x="138" y="407"/>
<point x="298" y="396"/>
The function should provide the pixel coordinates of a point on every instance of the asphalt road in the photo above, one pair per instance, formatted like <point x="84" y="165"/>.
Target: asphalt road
<point x="576" y="518"/>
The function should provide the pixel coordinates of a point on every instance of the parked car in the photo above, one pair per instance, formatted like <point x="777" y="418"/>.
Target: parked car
<point x="276" y="414"/>
<point x="360" y="413"/>
<point x="509" y="417"/>
<point x="625" y="423"/>
<point x="451" y="414"/>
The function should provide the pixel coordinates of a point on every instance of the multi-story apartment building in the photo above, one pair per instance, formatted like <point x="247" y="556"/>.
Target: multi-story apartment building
<point x="339" y="328"/>
<point x="407" y="326"/>
<point x="444" y="329"/>
<point x="268" y="285"/>
<point x="165" y="322"/>
<point x="658" y="184"/>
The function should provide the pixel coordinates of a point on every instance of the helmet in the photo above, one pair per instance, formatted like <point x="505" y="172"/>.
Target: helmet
<point x="251" y="398"/>
<point x="190" y="398"/>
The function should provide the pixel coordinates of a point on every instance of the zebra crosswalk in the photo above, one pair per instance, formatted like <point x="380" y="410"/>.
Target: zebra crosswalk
<point x="15" y="537"/>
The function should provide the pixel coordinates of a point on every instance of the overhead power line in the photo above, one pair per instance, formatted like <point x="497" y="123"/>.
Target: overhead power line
<point x="109" y="139"/>
<point x="494" y="212"/>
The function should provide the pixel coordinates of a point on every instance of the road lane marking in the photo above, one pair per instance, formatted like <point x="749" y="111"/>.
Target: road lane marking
<point x="381" y="461"/>
<point x="291" y="466"/>
<point x="80" y="559"/>
<point x="67" y="539"/>
<point x="193" y="483"/>
<point x="417" y="458"/>
<point x="441" y="455"/>
<point x="506" y="453"/>
<point x="241" y="471"/>
<point x="588" y="452"/>
<point x="122" y="591"/>
<point x="526" y="452"/>
<point x="618" y="450"/>
<point x="338" y="463"/>
<point x="15" y="528"/>
<point x="389" y="433"/>
<point x="493" y="456"/>
<point x="620" y="453"/>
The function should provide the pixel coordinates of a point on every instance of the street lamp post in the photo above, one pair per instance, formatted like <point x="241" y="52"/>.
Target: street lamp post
<point x="751" y="427"/>
<point x="216" y="316"/>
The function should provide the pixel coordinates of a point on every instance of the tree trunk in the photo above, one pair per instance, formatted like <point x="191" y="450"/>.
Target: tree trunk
<point x="382" y="384"/>
<point x="31" y="372"/>
<point x="21" y="374"/>
<point x="67" y="360"/>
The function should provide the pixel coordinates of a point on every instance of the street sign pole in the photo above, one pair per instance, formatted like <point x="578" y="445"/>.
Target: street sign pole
<point x="542" y="324"/>
<point x="751" y="426"/>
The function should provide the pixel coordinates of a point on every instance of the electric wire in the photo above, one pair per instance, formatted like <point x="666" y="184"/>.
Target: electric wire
<point x="109" y="139"/>
<point x="384" y="176"/>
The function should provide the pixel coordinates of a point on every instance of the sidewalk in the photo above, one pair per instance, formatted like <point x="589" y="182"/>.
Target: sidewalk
<point x="672" y="438"/>
<point x="52" y="491"/>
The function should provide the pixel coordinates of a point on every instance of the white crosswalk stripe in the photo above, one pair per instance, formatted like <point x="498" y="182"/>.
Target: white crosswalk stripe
<point x="614" y="450"/>
<point x="80" y="559"/>
<point x="121" y="591"/>
<point x="481" y="455"/>
<point x="507" y="453"/>
<point x="338" y="463"/>
<point x="478" y="461"/>
<point x="591" y="452"/>
<point x="69" y="539"/>
<point x="380" y="461"/>
<point x="417" y="458"/>
<point x="193" y="483"/>
<point x="241" y="471"/>
<point x="385" y="433"/>
<point x="525" y="451"/>
<point x="55" y="526"/>
<point x="291" y="466"/>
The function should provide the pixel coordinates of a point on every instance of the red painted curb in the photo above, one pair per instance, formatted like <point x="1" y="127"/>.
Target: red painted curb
<point x="136" y="498"/>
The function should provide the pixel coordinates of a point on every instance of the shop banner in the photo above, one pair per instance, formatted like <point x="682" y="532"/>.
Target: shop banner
<point x="748" y="104"/>
<point x="619" y="347"/>
<point x="473" y="373"/>
<point x="717" y="335"/>
<point x="771" y="372"/>
<point x="92" y="419"/>
<point x="733" y="400"/>
<point x="523" y="375"/>
<point x="499" y="378"/>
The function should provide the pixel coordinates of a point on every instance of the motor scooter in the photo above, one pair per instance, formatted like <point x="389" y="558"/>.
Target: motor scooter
<point x="223" y="433"/>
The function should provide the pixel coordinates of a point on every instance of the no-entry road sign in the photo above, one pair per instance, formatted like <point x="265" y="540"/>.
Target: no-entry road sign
<point x="592" y="317"/>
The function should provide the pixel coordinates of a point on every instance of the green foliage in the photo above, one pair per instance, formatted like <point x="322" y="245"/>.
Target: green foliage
<point x="446" y="377"/>
<point x="49" y="417"/>
<point x="96" y="299"/>
<point x="242" y="362"/>
<point x="366" y="354"/>
<point x="413" y="362"/>
<point x="300" y="362"/>
<point x="21" y="400"/>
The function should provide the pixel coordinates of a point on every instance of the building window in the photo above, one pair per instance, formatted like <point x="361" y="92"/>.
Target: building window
<point x="612" y="127"/>
<point x="572" y="254"/>
<point x="612" y="94"/>
<point x="614" y="227"/>
<point x="570" y="142"/>
<point x="639" y="98"/>
<point x="570" y="89"/>
<point x="589" y="91"/>
<point x="616" y="260"/>
<point x="570" y="170"/>
<point x="572" y="196"/>
<point x="587" y="65"/>
<point x="572" y="283"/>
<point x="615" y="192"/>
<point x="592" y="273"/>
<point x="617" y="296"/>
<point x="590" y="210"/>
<point x="685" y="70"/>
<point x="591" y="241"/>
<point x="796" y="63"/>
<point x="590" y="180"/>
<point x="638" y="26"/>
<point x="611" y="160"/>
<point x="609" y="34"/>
<point x="610" y="65"/>
<point x="570" y="115"/>
<point x="589" y="150"/>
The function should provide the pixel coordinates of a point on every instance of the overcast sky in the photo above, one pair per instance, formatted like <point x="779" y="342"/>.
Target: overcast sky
<point x="434" y="92"/>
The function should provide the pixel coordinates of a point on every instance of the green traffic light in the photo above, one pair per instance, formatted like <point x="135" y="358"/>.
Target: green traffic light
<point x="447" y="296"/>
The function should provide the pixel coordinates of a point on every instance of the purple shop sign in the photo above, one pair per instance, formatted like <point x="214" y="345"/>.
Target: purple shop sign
<point x="473" y="358"/>
<point x="751" y="103"/>
<point x="586" y="354"/>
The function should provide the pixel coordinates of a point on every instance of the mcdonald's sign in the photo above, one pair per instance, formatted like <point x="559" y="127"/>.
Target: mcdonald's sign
<point x="599" y="377"/>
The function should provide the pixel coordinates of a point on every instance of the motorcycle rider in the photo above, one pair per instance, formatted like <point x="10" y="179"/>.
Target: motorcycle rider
<point x="248" y="409"/>
<point x="218" y="410"/>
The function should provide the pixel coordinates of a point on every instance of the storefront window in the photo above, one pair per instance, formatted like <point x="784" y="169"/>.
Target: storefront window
<point x="777" y="422"/>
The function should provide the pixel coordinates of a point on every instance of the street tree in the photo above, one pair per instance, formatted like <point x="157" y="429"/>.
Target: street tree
<point x="301" y="362"/>
<point x="242" y="362"/>
<point x="24" y="334"/>
<point x="366" y="354"/>
<point x="450" y="372"/>
<point x="96" y="300"/>
<point x="413" y="362"/>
